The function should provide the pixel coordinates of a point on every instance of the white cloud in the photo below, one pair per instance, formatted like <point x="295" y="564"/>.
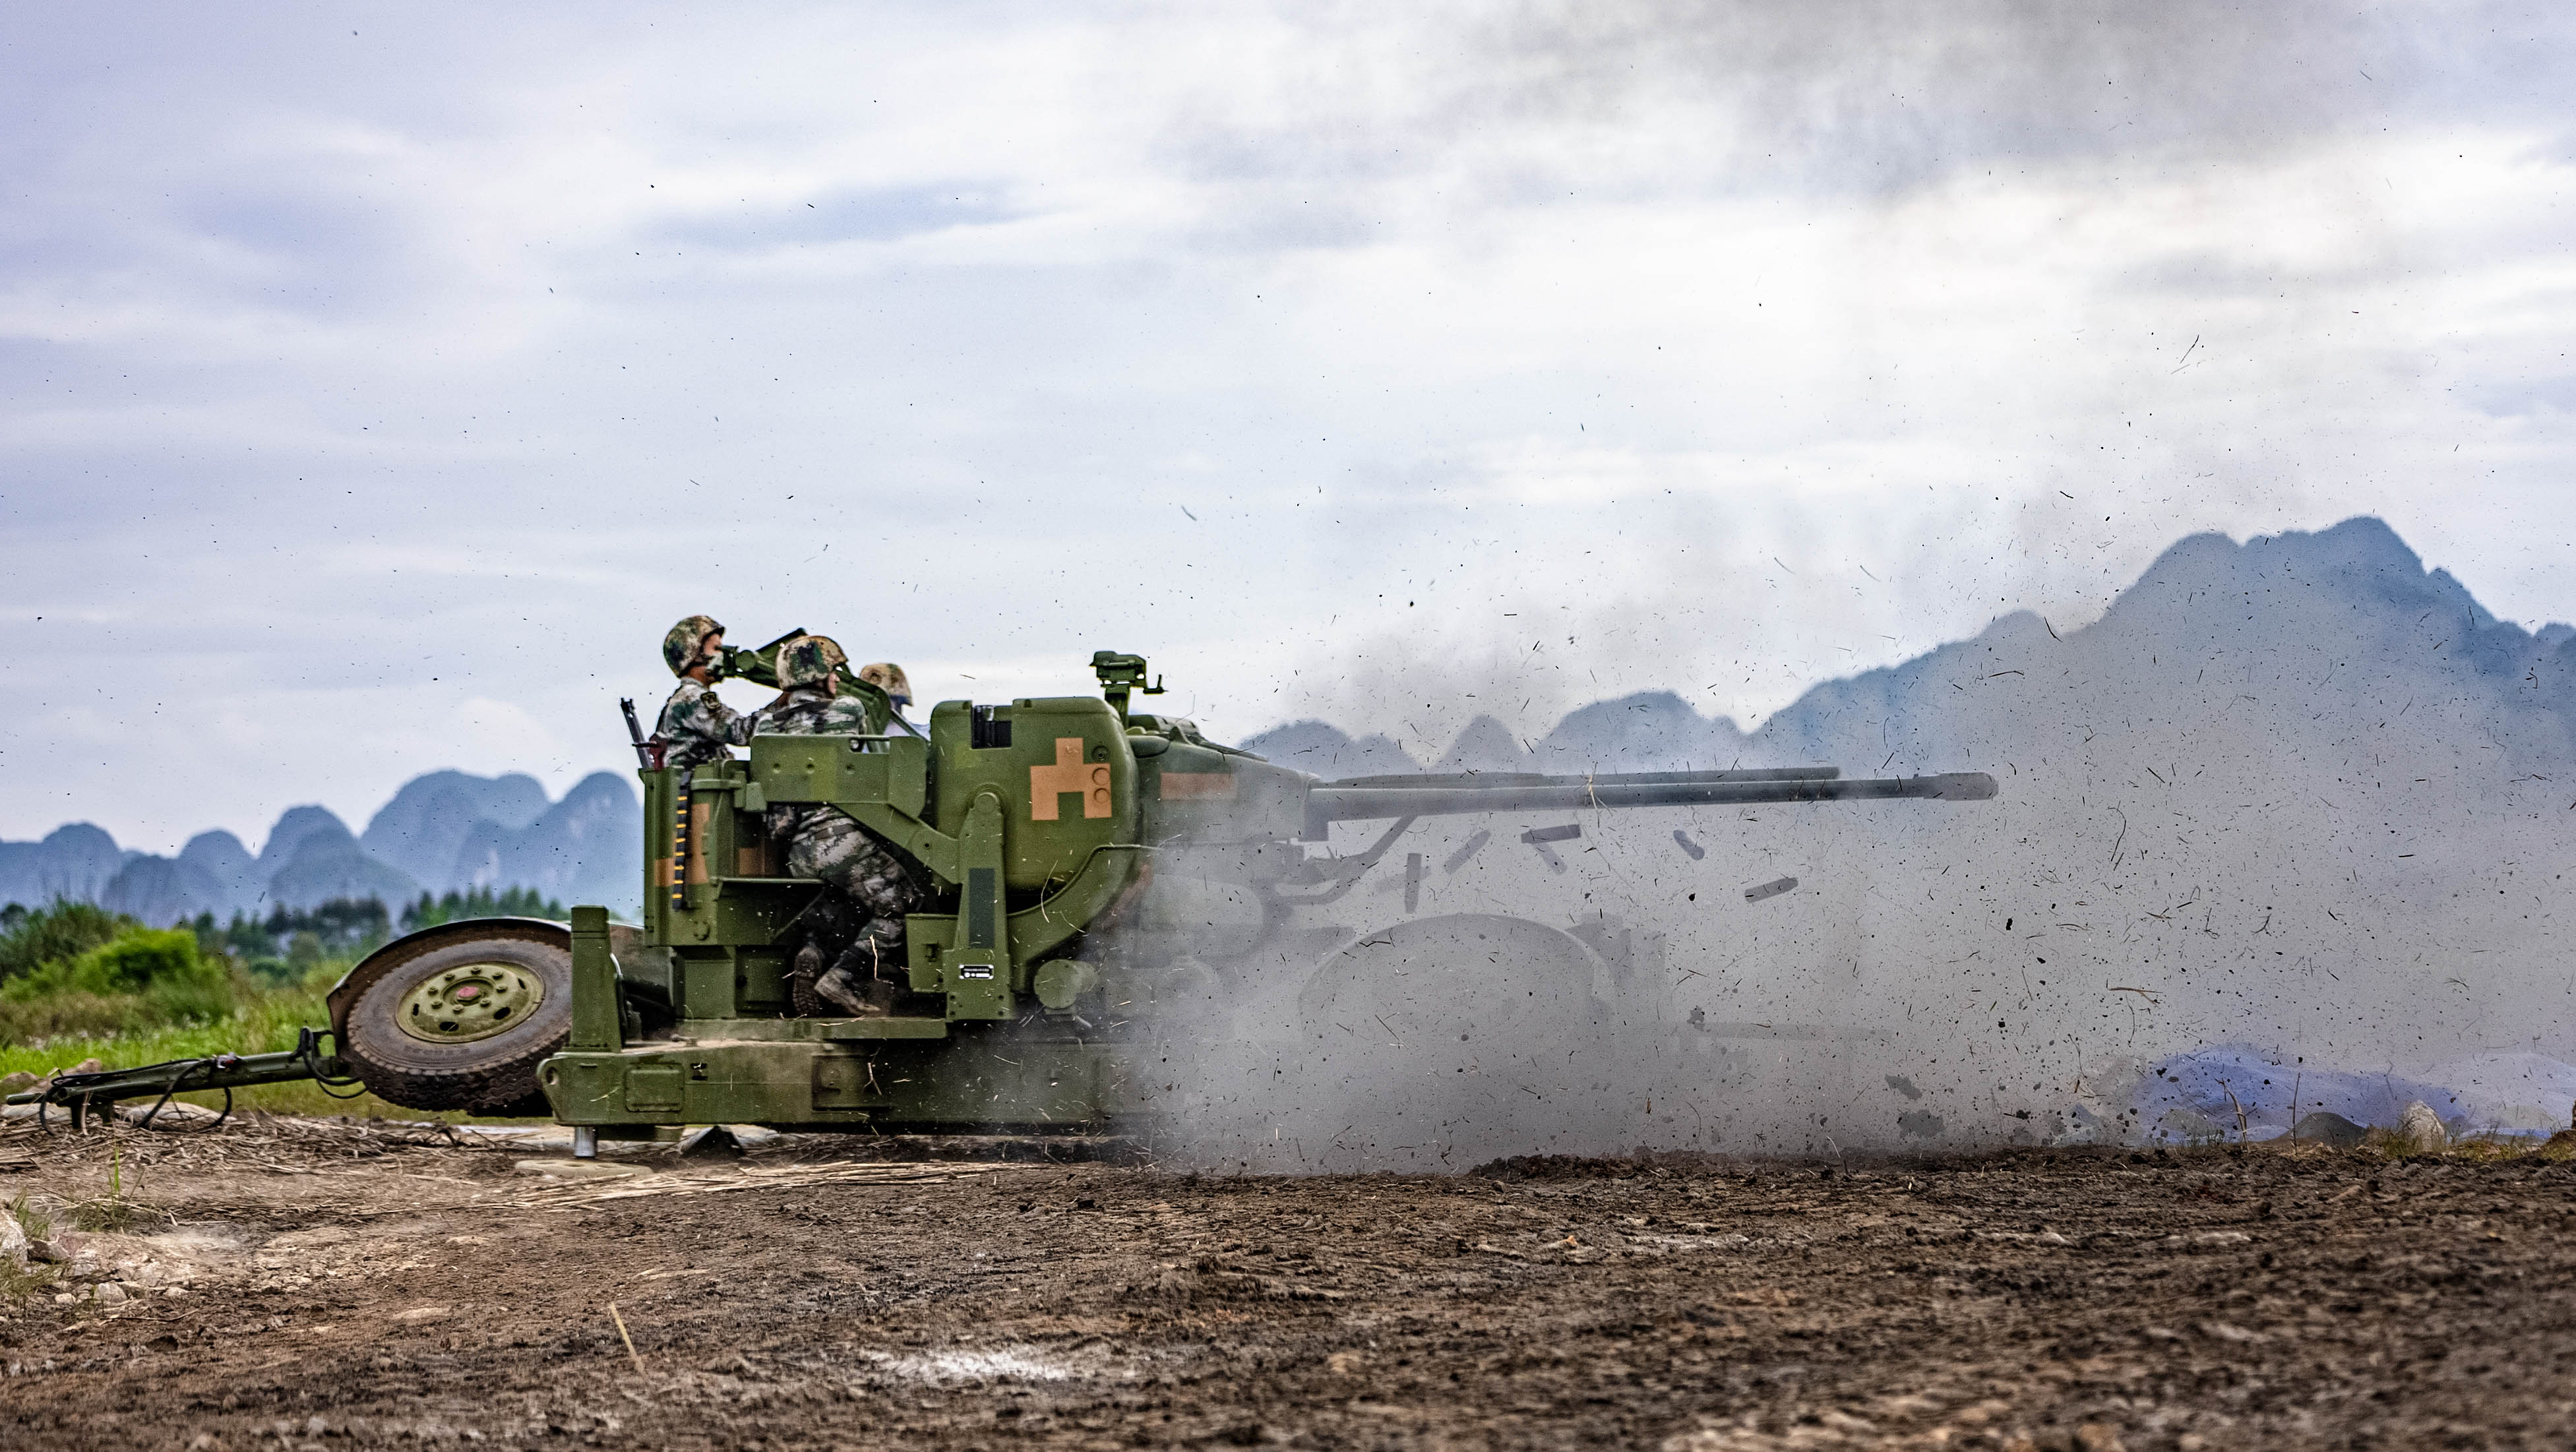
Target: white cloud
<point x="351" y="384"/>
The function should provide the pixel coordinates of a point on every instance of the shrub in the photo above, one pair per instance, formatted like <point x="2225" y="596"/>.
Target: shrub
<point x="160" y="966"/>
<point x="54" y="934"/>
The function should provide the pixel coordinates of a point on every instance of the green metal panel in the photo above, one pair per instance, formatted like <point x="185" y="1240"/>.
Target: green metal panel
<point x="977" y="973"/>
<point x="884" y="783"/>
<point x="595" y="1012"/>
<point x="1033" y="931"/>
<point x="997" y="1081"/>
<point x="749" y="911"/>
<point x="1067" y="779"/>
<point x="729" y="982"/>
<point x="653" y="1087"/>
<point x="661" y="810"/>
<point x="707" y="985"/>
<point x="983" y="908"/>
<point x="725" y="894"/>
<point x="894" y="771"/>
<point x="760" y="980"/>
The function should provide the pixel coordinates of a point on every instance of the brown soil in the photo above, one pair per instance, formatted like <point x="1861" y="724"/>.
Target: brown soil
<point x="347" y="1286"/>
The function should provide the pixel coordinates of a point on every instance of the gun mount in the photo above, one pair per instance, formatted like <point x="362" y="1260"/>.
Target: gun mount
<point x="1087" y="866"/>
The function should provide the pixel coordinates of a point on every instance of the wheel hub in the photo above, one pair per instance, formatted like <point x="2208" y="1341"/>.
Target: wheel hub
<point x="473" y="1001"/>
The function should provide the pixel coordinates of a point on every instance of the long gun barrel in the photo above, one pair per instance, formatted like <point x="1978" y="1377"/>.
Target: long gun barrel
<point x="1369" y="798"/>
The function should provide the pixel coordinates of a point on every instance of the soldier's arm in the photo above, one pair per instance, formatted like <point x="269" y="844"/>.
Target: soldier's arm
<point x="673" y="722"/>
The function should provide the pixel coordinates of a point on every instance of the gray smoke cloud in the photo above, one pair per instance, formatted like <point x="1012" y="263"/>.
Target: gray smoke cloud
<point x="1881" y="95"/>
<point x="2299" y="799"/>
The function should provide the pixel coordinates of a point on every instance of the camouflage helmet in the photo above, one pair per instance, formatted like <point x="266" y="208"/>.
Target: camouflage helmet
<point x="808" y="660"/>
<point x="888" y="677"/>
<point x="683" y="647"/>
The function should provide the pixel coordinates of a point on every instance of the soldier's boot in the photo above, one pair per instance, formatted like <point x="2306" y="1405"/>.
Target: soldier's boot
<point x="867" y="969"/>
<point x="802" y="973"/>
<point x="848" y="992"/>
<point x="826" y="926"/>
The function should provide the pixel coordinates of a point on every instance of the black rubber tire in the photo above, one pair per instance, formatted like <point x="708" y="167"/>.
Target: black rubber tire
<point x="486" y="1074"/>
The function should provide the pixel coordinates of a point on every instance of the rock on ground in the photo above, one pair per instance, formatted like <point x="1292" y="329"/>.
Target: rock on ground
<point x="2420" y="1131"/>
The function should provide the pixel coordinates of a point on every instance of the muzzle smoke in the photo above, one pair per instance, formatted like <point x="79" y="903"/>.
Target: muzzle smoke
<point x="2296" y="802"/>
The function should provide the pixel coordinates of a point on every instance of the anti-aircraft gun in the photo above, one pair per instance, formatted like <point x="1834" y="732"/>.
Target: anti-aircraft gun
<point x="1089" y="865"/>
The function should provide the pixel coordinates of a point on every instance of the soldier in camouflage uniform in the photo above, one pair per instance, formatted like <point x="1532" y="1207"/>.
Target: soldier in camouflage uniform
<point x="824" y="842"/>
<point x="695" y="726"/>
<point x="888" y="677"/>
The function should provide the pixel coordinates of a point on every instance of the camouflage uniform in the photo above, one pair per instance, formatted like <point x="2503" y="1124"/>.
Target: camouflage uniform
<point x="811" y="711"/>
<point x="825" y="842"/>
<point x="695" y="726"/>
<point x="698" y="727"/>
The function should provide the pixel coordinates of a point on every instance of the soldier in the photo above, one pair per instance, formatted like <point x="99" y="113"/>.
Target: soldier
<point x="824" y="842"/>
<point x="810" y="700"/>
<point x="696" y="726"/>
<point x="888" y="677"/>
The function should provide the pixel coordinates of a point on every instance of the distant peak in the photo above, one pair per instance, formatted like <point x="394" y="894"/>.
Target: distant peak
<point x="1643" y="701"/>
<point x="2360" y="562"/>
<point x="1486" y="743"/>
<point x="2017" y="625"/>
<point x="86" y="835"/>
<point x="1303" y="734"/>
<point x="294" y="826"/>
<point x="601" y="786"/>
<point x="2362" y="543"/>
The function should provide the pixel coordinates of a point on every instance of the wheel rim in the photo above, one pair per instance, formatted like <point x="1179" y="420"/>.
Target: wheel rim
<point x="469" y="1002"/>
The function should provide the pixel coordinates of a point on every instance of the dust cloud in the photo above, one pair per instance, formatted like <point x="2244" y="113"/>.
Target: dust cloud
<point x="2291" y="811"/>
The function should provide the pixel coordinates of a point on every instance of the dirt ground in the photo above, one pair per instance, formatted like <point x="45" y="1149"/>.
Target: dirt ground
<point x="315" y="1284"/>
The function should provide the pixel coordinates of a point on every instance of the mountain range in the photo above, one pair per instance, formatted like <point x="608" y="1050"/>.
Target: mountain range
<point x="443" y="832"/>
<point x="2355" y="593"/>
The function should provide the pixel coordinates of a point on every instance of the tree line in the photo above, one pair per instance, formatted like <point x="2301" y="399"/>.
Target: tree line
<point x="280" y="948"/>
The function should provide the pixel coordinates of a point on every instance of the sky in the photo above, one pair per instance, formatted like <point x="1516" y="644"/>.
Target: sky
<point x="378" y="384"/>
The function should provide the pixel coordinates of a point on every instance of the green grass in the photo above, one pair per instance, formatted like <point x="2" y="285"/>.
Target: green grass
<point x="266" y="1025"/>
